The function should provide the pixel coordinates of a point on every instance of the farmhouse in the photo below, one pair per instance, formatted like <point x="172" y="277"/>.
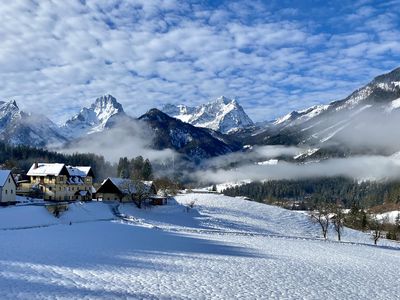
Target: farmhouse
<point x="8" y="188"/>
<point x="58" y="182"/>
<point x="126" y="190"/>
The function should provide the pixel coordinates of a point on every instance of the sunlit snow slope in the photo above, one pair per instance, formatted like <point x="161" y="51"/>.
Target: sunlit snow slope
<point x="223" y="248"/>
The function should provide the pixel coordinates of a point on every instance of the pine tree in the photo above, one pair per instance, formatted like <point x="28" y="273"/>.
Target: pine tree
<point x="137" y="168"/>
<point x="147" y="170"/>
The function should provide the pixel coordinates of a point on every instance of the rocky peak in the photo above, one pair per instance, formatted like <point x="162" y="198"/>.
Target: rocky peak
<point x="9" y="110"/>
<point x="224" y="100"/>
<point x="106" y="102"/>
<point x="93" y="119"/>
<point x="222" y="114"/>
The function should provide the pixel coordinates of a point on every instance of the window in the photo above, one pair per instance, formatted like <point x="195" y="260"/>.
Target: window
<point x="6" y="192"/>
<point x="12" y="192"/>
<point x="9" y="179"/>
<point x="50" y="188"/>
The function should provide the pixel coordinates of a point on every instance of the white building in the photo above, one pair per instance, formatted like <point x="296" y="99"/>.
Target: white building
<point x="59" y="182"/>
<point x="8" y="187"/>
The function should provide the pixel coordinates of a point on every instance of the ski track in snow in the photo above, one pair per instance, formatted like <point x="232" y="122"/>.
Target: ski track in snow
<point x="223" y="248"/>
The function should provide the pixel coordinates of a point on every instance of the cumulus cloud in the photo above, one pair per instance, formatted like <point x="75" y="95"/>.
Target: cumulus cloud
<point x="272" y="57"/>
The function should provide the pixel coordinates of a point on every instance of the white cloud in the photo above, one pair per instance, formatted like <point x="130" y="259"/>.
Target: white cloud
<point x="360" y="168"/>
<point x="60" y="55"/>
<point x="137" y="139"/>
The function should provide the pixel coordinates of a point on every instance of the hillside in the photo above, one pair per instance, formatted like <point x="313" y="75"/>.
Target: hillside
<point x="363" y="123"/>
<point x="222" y="248"/>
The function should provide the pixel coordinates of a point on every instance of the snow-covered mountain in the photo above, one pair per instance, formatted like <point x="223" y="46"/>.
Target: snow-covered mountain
<point x="92" y="119"/>
<point x="223" y="115"/>
<point x="18" y="127"/>
<point x="324" y="125"/>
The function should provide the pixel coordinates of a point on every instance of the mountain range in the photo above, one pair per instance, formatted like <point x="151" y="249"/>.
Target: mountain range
<point x="217" y="127"/>
<point x="106" y="113"/>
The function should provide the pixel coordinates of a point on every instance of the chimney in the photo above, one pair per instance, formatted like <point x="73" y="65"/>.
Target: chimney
<point x="35" y="165"/>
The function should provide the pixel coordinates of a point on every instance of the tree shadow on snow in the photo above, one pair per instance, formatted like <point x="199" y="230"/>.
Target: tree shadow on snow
<point x="109" y="244"/>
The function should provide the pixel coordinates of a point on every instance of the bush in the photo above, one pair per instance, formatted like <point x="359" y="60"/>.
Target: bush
<point x="57" y="209"/>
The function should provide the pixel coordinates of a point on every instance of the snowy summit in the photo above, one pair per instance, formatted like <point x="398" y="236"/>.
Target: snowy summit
<point x="94" y="118"/>
<point x="223" y="114"/>
<point x="18" y="127"/>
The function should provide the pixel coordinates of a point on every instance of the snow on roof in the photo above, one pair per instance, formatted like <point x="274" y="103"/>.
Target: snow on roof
<point x="75" y="180"/>
<point x="127" y="186"/>
<point x="82" y="193"/>
<point x="3" y="176"/>
<point x="80" y="171"/>
<point x="43" y="169"/>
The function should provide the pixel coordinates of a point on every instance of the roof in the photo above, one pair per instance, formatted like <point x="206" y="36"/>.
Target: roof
<point x="81" y="171"/>
<point x="55" y="169"/>
<point x="44" y="169"/>
<point x="128" y="186"/>
<point x="3" y="176"/>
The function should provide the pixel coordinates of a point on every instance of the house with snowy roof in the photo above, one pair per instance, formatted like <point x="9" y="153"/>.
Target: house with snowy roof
<point x="59" y="182"/>
<point x="126" y="190"/>
<point x="8" y="188"/>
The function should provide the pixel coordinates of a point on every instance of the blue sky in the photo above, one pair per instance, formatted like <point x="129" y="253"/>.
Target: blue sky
<point x="273" y="56"/>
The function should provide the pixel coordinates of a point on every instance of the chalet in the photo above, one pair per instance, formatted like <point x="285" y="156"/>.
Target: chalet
<point x="125" y="190"/>
<point x="8" y="188"/>
<point x="58" y="182"/>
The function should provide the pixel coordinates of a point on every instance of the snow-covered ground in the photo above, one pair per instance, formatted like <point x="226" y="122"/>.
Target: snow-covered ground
<point x="222" y="248"/>
<point x="389" y="216"/>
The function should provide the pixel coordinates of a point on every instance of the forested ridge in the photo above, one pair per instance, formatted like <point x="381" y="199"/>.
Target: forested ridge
<point x="20" y="158"/>
<point x="337" y="189"/>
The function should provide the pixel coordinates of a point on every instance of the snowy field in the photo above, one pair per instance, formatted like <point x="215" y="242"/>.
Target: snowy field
<point x="223" y="248"/>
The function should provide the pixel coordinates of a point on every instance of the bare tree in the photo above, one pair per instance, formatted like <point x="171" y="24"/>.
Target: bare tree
<point x="376" y="227"/>
<point x="321" y="216"/>
<point x="338" y="220"/>
<point x="140" y="193"/>
<point x="137" y="190"/>
<point x="166" y="186"/>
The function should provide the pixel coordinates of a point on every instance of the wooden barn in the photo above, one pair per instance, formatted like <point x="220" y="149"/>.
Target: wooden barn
<point x="126" y="190"/>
